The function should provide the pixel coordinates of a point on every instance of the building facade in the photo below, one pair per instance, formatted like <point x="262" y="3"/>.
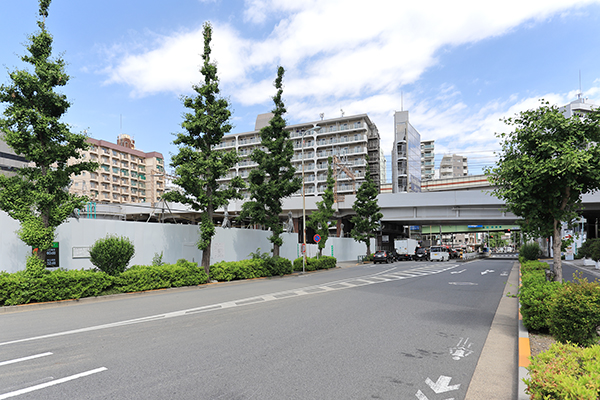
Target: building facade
<point x="406" y="155"/>
<point x="348" y="140"/>
<point x="9" y="161"/>
<point x="453" y="166"/>
<point x="427" y="160"/>
<point x="125" y="175"/>
<point x="579" y="107"/>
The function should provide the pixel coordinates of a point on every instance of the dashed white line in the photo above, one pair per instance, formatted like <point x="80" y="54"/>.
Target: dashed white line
<point x="16" y="360"/>
<point x="51" y="383"/>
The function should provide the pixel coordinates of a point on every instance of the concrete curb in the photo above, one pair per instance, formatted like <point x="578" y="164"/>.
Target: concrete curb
<point x="524" y="353"/>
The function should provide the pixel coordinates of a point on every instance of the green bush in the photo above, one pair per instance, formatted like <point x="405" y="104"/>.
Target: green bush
<point x="575" y="312"/>
<point x="278" y="266"/>
<point x="535" y="295"/>
<point x="565" y="372"/>
<point x="313" y="263"/>
<point x="530" y="251"/>
<point x="112" y="254"/>
<point x="226" y="271"/>
<point x="149" y="277"/>
<point x="24" y="287"/>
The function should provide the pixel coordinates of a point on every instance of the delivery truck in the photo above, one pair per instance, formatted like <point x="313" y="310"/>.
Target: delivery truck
<point x="405" y="248"/>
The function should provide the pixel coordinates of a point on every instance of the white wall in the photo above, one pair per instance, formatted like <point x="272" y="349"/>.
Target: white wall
<point x="174" y="241"/>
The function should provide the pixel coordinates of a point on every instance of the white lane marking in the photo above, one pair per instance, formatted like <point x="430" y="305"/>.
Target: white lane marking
<point x="16" y="360"/>
<point x="504" y="273"/>
<point x="486" y="271"/>
<point x="442" y="384"/>
<point x="51" y="383"/>
<point x="421" y="396"/>
<point x="458" y="272"/>
<point x="330" y="286"/>
<point x="449" y="283"/>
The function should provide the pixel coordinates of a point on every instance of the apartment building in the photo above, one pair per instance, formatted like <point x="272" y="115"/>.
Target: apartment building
<point x="579" y="107"/>
<point x="427" y="160"/>
<point x="125" y="175"/>
<point x="453" y="166"/>
<point x="9" y="161"/>
<point x="348" y="140"/>
<point x="406" y="155"/>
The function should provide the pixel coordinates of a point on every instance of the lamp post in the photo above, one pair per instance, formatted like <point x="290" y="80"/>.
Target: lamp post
<point x="313" y="129"/>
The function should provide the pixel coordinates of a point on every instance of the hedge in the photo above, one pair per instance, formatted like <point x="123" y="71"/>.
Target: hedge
<point x="149" y="277"/>
<point x="313" y="263"/>
<point x="565" y="371"/>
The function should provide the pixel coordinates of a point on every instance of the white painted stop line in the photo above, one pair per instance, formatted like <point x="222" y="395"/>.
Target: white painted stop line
<point x="51" y="383"/>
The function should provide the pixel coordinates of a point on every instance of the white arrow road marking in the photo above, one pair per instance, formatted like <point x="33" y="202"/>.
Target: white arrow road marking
<point x="504" y="273"/>
<point x="487" y="271"/>
<point x="421" y="396"/>
<point x="441" y="386"/>
<point x="458" y="272"/>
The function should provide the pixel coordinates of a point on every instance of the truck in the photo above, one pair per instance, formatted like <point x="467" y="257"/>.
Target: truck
<point x="405" y="248"/>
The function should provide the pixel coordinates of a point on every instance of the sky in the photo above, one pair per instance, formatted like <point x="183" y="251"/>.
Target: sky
<point x="457" y="67"/>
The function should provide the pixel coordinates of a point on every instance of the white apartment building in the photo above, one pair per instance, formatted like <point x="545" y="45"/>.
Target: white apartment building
<point x="453" y="166"/>
<point x="406" y="155"/>
<point x="577" y="107"/>
<point x="125" y="175"/>
<point x="427" y="160"/>
<point x="348" y="139"/>
<point x="9" y="161"/>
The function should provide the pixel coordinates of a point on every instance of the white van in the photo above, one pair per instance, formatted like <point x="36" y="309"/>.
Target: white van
<point x="438" y="253"/>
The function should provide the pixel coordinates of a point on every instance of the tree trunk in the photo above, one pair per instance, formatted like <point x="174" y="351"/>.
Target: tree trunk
<point x="206" y="260"/>
<point x="368" y="243"/>
<point x="556" y="244"/>
<point x="275" y="250"/>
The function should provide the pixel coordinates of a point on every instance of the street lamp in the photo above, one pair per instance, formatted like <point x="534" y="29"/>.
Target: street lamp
<point x="313" y="129"/>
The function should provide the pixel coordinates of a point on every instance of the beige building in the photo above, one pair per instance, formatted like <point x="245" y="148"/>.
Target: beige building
<point x="347" y="139"/>
<point x="126" y="175"/>
<point x="453" y="166"/>
<point x="427" y="160"/>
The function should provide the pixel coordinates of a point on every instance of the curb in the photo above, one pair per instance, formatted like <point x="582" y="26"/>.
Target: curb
<point x="524" y="353"/>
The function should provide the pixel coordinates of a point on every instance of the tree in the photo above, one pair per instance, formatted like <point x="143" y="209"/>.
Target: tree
<point x="199" y="164"/>
<point x="273" y="179"/>
<point x="319" y="220"/>
<point x="367" y="219"/>
<point x="37" y="195"/>
<point x="545" y="165"/>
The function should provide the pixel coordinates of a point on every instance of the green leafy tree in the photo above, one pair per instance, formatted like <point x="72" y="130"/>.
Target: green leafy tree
<point x="199" y="164"/>
<point x="319" y="220"/>
<point x="273" y="179"/>
<point x="547" y="162"/>
<point x="37" y="195"/>
<point x="367" y="219"/>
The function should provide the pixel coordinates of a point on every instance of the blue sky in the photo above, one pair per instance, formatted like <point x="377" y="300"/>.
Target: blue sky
<point x="457" y="67"/>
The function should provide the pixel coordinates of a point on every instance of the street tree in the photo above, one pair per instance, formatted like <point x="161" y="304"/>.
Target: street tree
<point x="273" y="179"/>
<point x="320" y="219"/>
<point x="368" y="213"/>
<point x="37" y="195"/>
<point x="546" y="163"/>
<point x="199" y="163"/>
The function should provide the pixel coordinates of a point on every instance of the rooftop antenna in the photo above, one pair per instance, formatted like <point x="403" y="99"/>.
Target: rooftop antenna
<point x="322" y="115"/>
<point x="342" y="111"/>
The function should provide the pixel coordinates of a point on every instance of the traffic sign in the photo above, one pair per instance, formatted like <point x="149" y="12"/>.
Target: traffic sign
<point x="317" y="238"/>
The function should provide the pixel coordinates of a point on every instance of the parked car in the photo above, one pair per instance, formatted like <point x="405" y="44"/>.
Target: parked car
<point x="421" y="253"/>
<point x="438" y="253"/>
<point x="381" y="256"/>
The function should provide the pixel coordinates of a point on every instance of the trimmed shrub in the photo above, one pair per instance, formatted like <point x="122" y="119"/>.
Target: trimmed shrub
<point x="278" y="266"/>
<point x="530" y="251"/>
<point x="23" y="287"/>
<point x="112" y="254"/>
<point x="575" y="312"/>
<point x="313" y="264"/>
<point x="565" y="372"/>
<point x="536" y="295"/>
<point x="226" y="271"/>
<point x="149" y="277"/>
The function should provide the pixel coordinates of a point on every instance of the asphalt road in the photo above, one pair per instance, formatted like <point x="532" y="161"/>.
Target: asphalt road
<point x="391" y="331"/>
